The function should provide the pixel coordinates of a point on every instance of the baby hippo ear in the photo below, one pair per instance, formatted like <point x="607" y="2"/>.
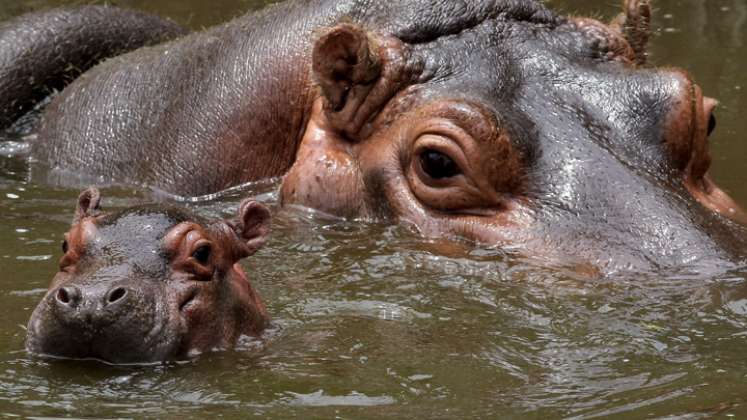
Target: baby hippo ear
<point x="634" y="24"/>
<point x="89" y="202"/>
<point x="252" y="227"/>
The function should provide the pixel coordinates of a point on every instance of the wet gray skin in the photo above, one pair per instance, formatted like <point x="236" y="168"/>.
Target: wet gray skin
<point x="149" y="284"/>
<point x="605" y="162"/>
<point x="119" y="306"/>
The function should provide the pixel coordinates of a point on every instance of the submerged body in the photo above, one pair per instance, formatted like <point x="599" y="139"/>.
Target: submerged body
<point x="150" y="284"/>
<point x="497" y="121"/>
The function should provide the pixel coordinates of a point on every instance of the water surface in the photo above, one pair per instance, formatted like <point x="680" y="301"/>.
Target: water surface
<point x="373" y="321"/>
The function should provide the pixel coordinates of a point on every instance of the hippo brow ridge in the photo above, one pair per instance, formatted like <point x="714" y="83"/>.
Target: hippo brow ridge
<point x="449" y="17"/>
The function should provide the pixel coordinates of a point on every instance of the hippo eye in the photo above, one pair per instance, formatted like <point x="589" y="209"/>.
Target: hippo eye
<point x="202" y="254"/>
<point x="64" y="247"/>
<point x="711" y="124"/>
<point x="437" y="165"/>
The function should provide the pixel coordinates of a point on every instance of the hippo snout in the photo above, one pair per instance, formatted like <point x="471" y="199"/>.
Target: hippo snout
<point x="92" y="307"/>
<point x="115" y="323"/>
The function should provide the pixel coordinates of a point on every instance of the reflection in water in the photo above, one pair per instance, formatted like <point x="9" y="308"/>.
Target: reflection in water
<point x="371" y="320"/>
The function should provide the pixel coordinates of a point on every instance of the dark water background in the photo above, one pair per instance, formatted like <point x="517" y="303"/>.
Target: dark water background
<point x="372" y="321"/>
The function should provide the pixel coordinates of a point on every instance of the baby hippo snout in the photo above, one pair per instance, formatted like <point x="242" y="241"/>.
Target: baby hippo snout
<point x="118" y="323"/>
<point x="92" y="305"/>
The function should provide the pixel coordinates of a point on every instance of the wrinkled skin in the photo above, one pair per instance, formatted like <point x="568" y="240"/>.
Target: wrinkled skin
<point x="150" y="284"/>
<point x="497" y="121"/>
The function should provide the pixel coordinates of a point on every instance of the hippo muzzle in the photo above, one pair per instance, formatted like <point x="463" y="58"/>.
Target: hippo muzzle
<point x="116" y="323"/>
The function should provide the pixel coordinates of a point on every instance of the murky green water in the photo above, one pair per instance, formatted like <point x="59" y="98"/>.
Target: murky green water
<point x="372" y="321"/>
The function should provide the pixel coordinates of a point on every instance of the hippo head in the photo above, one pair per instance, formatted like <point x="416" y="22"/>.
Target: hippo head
<point x="506" y="124"/>
<point x="150" y="284"/>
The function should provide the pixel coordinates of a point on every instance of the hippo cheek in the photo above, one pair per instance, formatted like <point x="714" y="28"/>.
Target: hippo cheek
<point x="509" y="228"/>
<point x="326" y="175"/>
<point x="204" y="326"/>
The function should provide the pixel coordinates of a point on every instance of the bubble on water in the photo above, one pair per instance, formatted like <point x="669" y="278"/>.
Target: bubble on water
<point x="419" y="377"/>
<point x="605" y="309"/>
<point x="354" y="399"/>
<point x="32" y="292"/>
<point x="33" y="257"/>
<point x="42" y="241"/>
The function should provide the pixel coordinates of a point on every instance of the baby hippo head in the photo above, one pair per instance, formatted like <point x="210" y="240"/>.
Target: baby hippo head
<point x="150" y="284"/>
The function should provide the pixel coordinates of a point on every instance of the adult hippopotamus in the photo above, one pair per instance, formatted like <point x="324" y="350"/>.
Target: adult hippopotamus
<point x="498" y="121"/>
<point x="150" y="284"/>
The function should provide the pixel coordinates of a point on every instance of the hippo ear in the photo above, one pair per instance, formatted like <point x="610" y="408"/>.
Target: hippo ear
<point x="358" y="73"/>
<point x="343" y="58"/>
<point x="252" y="226"/>
<point x="89" y="202"/>
<point x="635" y="26"/>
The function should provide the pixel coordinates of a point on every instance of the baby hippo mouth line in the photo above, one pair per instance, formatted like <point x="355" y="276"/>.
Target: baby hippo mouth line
<point x="189" y="300"/>
<point x="125" y="349"/>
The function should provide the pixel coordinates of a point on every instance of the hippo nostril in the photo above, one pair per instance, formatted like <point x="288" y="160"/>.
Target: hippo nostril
<point x="116" y="294"/>
<point x="63" y="296"/>
<point x="67" y="296"/>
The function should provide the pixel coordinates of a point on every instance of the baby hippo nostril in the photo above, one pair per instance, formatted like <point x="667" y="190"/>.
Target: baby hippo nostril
<point x="711" y="124"/>
<point x="115" y="295"/>
<point x="67" y="296"/>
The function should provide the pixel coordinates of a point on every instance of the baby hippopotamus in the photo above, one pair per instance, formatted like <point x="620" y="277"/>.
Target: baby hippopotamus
<point x="150" y="284"/>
